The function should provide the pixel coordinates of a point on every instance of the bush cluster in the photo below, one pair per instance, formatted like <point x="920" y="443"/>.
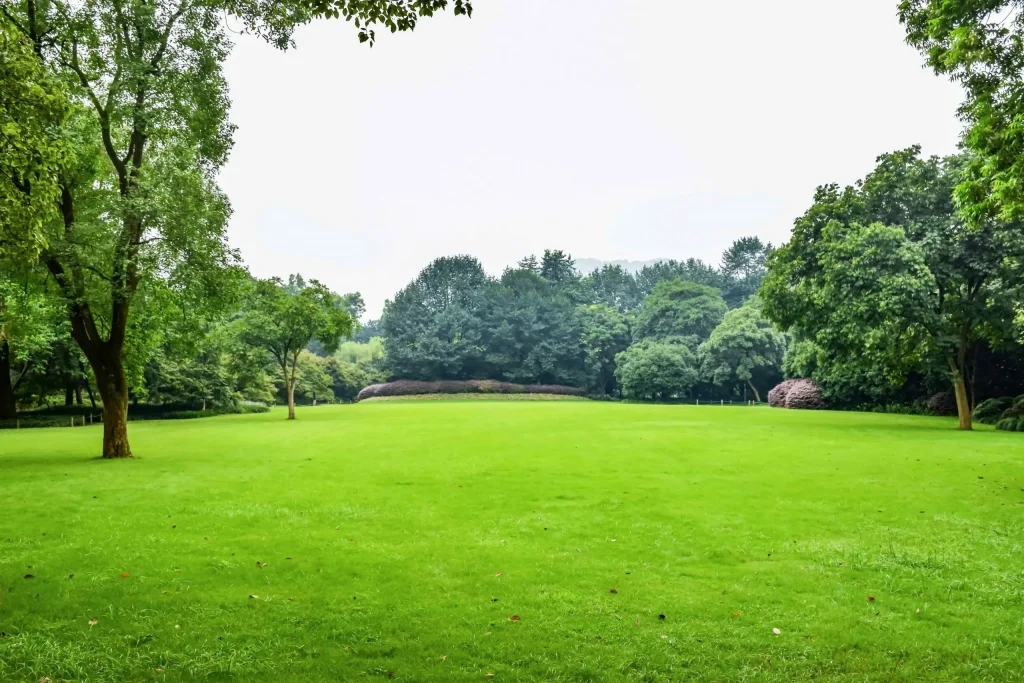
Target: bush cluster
<point x="407" y="387"/>
<point x="942" y="404"/>
<point x="797" y="394"/>
<point x="1012" y="419"/>
<point x="777" y="396"/>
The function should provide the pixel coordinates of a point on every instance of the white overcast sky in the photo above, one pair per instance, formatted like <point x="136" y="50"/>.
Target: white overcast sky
<point x="612" y="130"/>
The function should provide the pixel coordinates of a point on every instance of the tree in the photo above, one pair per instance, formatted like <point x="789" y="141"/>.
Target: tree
<point x="605" y="334"/>
<point x="33" y="147"/>
<point x="676" y="308"/>
<point x="29" y="326"/>
<point x="138" y="203"/>
<point x="743" y="268"/>
<point x="744" y="348"/>
<point x="559" y="268"/>
<point x="533" y="332"/>
<point x="656" y="370"/>
<point x="435" y="327"/>
<point x="980" y="45"/>
<point x="612" y="285"/>
<point x="886" y="274"/>
<point x="690" y="270"/>
<point x="283" y="320"/>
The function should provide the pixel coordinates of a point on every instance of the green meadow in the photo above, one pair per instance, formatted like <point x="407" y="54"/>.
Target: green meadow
<point x="515" y="541"/>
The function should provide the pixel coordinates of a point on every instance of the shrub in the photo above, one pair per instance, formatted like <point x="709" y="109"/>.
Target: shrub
<point x="1012" y="419"/>
<point x="407" y="387"/>
<point x="777" y="396"/>
<point x="991" y="410"/>
<point x="942" y="404"/>
<point x="804" y="394"/>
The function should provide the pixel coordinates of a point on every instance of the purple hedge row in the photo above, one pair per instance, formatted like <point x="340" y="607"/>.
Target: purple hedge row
<point x="797" y="394"/>
<point x="406" y="387"/>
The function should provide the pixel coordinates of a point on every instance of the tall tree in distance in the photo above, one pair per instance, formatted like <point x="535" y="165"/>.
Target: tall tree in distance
<point x="744" y="266"/>
<point x="283" y="319"/>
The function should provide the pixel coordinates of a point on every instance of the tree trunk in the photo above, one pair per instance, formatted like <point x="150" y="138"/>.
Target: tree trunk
<point x="757" y="396"/>
<point x="78" y="394"/>
<point x="8" y="406"/>
<point x="963" y="403"/>
<point x="113" y="386"/>
<point x="291" y="400"/>
<point x="69" y="396"/>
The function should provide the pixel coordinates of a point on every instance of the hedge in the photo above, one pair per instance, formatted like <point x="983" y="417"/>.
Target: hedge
<point x="406" y="387"/>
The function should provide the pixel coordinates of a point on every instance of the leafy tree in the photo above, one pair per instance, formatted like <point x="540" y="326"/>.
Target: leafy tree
<point x="33" y="146"/>
<point x="690" y="270"/>
<point x="677" y="308"/>
<point x="656" y="370"/>
<point x="533" y="332"/>
<point x="743" y="268"/>
<point x="434" y="328"/>
<point x="138" y="204"/>
<point x="314" y="381"/>
<point x="29" y="326"/>
<point x="558" y="268"/>
<point x="980" y="45"/>
<point x="283" y="320"/>
<point x="887" y="275"/>
<point x="605" y="334"/>
<point x="612" y="285"/>
<point x="744" y="348"/>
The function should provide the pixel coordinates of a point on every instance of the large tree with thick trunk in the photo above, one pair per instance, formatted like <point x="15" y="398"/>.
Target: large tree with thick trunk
<point x="887" y="274"/>
<point x="138" y="212"/>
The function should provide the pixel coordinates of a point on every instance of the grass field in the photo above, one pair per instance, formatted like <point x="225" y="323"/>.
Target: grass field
<point x="448" y="541"/>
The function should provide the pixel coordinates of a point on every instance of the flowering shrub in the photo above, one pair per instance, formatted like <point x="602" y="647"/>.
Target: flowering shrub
<point x="942" y="404"/>
<point x="804" y="394"/>
<point x="777" y="396"/>
<point x="405" y="387"/>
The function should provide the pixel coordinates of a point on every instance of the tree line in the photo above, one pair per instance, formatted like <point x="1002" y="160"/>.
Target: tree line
<point x="664" y="332"/>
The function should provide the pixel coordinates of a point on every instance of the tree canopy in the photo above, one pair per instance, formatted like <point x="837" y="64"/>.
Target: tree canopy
<point x="886" y="274"/>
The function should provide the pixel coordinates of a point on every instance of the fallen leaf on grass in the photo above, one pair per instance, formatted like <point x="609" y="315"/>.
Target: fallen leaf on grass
<point x="125" y="575"/>
<point x="93" y="622"/>
<point x="45" y="679"/>
<point x="514" y="617"/>
<point x="664" y="636"/>
<point x="444" y="657"/>
<point x="488" y="633"/>
<point x="776" y="631"/>
<point x="260" y="565"/>
<point x="737" y="614"/>
<point x="871" y="598"/>
<point x="177" y="626"/>
<point x="498" y="574"/>
<point x="613" y="591"/>
<point x="254" y="597"/>
<point x="637" y="622"/>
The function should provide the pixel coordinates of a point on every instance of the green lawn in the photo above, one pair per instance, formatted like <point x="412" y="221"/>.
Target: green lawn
<point x="400" y="538"/>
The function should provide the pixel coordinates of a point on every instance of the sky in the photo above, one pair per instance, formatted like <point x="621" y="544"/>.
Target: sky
<point x="612" y="130"/>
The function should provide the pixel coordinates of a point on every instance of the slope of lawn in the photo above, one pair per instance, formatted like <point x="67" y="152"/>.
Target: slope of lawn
<point x="562" y="541"/>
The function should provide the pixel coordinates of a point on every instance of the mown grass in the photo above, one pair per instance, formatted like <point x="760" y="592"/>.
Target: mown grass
<point x="400" y="538"/>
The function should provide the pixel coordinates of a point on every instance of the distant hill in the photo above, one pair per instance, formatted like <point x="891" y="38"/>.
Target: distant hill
<point x="589" y="265"/>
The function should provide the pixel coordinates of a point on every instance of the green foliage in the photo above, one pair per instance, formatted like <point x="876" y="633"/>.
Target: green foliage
<point x="744" y="349"/>
<point x="884" y="277"/>
<point x="612" y="285"/>
<point x="980" y="45"/>
<point x="393" y="15"/>
<point x="656" y="370"/>
<point x="33" y="145"/>
<point x="281" y="320"/>
<point x="604" y="334"/>
<point x="991" y="410"/>
<point x="676" y="308"/>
